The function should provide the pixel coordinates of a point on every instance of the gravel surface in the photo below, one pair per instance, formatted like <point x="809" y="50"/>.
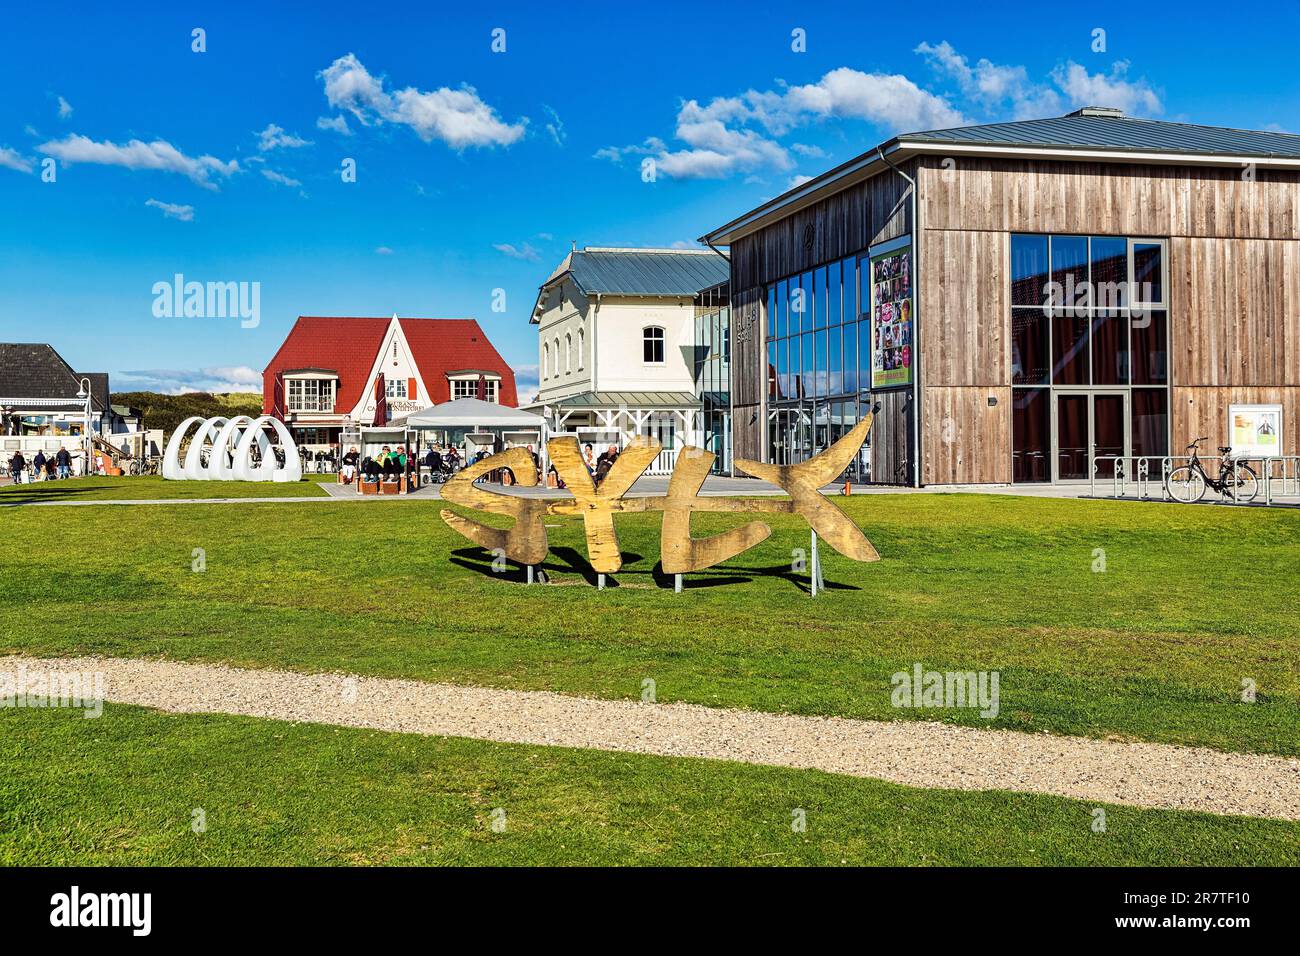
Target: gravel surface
<point x="907" y="752"/>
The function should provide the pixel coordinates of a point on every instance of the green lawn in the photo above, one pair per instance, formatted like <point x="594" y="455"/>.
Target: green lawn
<point x="140" y="487"/>
<point x="1193" y="600"/>
<point x="122" y="789"/>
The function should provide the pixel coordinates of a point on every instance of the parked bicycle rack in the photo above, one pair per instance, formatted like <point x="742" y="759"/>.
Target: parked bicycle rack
<point x="1279" y="476"/>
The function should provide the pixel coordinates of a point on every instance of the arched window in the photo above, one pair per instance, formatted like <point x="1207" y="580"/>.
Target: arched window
<point x="555" y="350"/>
<point x="568" y="354"/>
<point x="652" y="344"/>
<point x="582" y="349"/>
<point x="546" y="361"/>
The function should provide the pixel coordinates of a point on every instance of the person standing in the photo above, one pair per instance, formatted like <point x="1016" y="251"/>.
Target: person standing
<point x="38" y="464"/>
<point x="64" y="461"/>
<point x="17" y="465"/>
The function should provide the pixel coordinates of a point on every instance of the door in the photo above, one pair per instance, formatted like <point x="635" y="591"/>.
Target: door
<point x="1087" y="426"/>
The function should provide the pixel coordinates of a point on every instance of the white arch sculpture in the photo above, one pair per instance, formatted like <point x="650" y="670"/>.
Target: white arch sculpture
<point x="230" y="444"/>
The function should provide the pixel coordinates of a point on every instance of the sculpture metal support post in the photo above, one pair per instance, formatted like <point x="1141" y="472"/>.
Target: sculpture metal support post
<point x="677" y="583"/>
<point x="818" y="583"/>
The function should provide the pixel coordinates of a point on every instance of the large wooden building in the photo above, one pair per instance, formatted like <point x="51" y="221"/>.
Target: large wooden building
<point x="1046" y="293"/>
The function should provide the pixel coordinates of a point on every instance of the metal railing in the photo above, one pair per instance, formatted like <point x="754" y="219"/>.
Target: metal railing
<point x="1279" y="476"/>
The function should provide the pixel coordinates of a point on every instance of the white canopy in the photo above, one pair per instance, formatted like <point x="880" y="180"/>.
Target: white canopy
<point x="473" y="413"/>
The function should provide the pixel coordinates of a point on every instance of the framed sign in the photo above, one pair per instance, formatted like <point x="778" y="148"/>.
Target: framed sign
<point x="1255" y="430"/>
<point x="892" y="321"/>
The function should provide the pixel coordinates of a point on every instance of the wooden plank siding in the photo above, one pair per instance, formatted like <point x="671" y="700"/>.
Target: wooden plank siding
<point x="967" y="441"/>
<point x="1234" y="297"/>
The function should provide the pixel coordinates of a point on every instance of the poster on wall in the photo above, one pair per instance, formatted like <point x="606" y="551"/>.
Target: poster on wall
<point x="891" y="318"/>
<point x="1255" y="430"/>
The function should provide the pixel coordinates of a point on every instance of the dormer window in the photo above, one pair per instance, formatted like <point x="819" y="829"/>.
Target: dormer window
<point x="310" y="391"/>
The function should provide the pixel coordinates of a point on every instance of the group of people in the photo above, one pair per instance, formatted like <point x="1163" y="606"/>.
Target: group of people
<point x="391" y="463"/>
<point x="41" y="467"/>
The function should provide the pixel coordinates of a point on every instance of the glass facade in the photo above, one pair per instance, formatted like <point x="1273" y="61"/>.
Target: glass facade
<point x="818" y="361"/>
<point x="1089" y="354"/>
<point x="713" y="372"/>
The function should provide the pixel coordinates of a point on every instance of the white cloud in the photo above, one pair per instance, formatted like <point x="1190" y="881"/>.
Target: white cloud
<point x="227" y="378"/>
<point x="738" y="134"/>
<point x="458" y="118"/>
<point x="338" y="124"/>
<point x="10" y="159"/>
<point x="796" y="181"/>
<point x="812" y="152"/>
<point x="525" y="252"/>
<point x="275" y="137"/>
<point x="1003" y="89"/>
<point x="383" y="251"/>
<point x="158" y="155"/>
<point x="555" y="127"/>
<point x="65" y="108"/>
<point x="280" y="178"/>
<point x="172" y="210"/>
<point x="1096" y="89"/>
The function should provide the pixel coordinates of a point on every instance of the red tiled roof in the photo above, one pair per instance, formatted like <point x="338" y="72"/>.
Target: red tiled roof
<point x="350" y="346"/>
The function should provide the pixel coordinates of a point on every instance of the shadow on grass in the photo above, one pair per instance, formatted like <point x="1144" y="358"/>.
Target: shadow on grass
<point x="573" y="561"/>
<point x="27" y="494"/>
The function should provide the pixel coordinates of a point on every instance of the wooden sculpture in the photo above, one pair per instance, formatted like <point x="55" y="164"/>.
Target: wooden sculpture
<point x="525" y="542"/>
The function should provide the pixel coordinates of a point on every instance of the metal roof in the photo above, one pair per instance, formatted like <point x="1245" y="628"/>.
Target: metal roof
<point x="657" y="273"/>
<point x="651" y="272"/>
<point x="630" y="399"/>
<point x="1092" y="134"/>
<point x="1094" y="130"/>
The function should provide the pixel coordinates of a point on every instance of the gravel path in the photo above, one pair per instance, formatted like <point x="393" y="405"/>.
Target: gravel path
<point x="906" y="752"/>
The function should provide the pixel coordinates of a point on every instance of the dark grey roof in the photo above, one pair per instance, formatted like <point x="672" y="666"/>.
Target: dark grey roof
<point x="646" y="272"/>
<point x="35" y="370"/>
<point x="1121" y="133"/>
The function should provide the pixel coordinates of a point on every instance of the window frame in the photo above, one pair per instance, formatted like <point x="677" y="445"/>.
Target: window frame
<point x="648" y="342"/>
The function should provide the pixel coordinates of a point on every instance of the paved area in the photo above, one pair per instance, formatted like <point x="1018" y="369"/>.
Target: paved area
<point x="907" y="752"/>
<point x="714" y="485"/>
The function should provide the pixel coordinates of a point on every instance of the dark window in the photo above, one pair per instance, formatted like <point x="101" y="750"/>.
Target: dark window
<point x="834" y="362"/>
<point x="1150" y="348"/>
<point x="1109" y="271"/>
<point x="1148" y="280"/>
<point x="1031" y="434"/>
<point x="1028" y="347"/>
<point x="1069" y="350"/>
<point x="1070" y="271"/>
<point x="1029" y="274"/>
<point x="1151" y="422"/>
<point x="1110" y="349"/>
<point x="652" y="345"/>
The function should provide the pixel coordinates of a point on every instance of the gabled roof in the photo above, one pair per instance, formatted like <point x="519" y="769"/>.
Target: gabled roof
<point x="1090" y="134"/>
<point x="350" y="345"/>
<point x="672" y="273"/>
<point x="36" y="370"/>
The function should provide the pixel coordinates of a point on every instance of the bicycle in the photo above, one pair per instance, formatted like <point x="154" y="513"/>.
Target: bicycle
<point x="1237" y="481"/>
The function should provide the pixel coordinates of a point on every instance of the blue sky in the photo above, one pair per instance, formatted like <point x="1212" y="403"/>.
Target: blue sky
<point x="475" y="169"/>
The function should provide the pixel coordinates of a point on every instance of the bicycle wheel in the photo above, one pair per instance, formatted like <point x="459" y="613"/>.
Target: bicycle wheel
<point x="1185" y="484"/>
<point x="1241" y="485"/>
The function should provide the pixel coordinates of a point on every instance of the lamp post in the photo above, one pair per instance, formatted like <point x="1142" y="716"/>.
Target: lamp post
<point x="87" y="445"/>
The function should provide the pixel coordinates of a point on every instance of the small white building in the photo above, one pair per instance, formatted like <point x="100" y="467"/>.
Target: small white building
<point x="617" y="349"/>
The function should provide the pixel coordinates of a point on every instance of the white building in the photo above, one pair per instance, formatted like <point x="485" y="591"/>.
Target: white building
<point x="617" y="349"/>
